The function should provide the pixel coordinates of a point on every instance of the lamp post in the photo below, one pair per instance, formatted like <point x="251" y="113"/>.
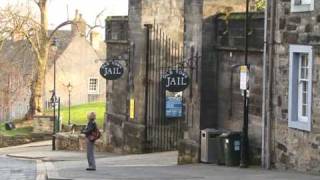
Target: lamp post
<point x="54" y="97"/>
<point x="69" y="86"/>
<point x="244" y="161"/>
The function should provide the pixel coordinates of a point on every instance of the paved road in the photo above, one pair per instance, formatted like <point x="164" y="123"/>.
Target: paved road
<point x="14" y="169"/>
<point x="162" y="166"/>
<point x="157" y="166"/>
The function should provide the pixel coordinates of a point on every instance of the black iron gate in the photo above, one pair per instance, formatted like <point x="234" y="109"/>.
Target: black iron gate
<point x="163" y="54"/>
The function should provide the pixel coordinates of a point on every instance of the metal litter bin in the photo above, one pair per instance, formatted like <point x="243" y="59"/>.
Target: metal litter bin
<point x="210" y="145"/>
<point x="9" y="126"/>
<point x="231" y="147"/>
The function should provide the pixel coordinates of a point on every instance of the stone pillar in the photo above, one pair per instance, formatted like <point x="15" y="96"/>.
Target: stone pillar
<point x="117" y="90"/>
<point x="189" y="147"/>
<point x="125" y="134"/>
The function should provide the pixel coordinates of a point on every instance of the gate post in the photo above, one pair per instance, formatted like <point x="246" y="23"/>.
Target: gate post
<point x="189" y="147"/>
<point x="148" y="27"/>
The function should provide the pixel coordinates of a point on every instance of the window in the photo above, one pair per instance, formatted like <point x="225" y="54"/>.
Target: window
<point x="114" y="36"/>
<point x="302" y="5"/>
<point x="300" y="87"/>
<point x="93" y="86"/>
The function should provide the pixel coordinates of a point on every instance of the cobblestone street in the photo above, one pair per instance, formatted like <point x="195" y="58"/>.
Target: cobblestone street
<point x="14" y="169"/>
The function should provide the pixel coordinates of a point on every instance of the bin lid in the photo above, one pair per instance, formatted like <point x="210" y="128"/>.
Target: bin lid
<point x="230" y="133"/>
<point x="209" y="130"/>
<point x="212" y="131"/>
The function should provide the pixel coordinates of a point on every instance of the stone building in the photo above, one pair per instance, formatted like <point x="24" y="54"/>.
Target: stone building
<point x="182" y="21"/>
<point x="283" y="117"/>
<point x="126" y="134"/>
<point x="15" y="78"/>
<point x="77" y="62"/>
<point x="291" y="115"/>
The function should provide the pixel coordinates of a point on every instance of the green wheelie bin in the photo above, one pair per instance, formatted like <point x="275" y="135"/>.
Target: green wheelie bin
<point x="230" y="143"/>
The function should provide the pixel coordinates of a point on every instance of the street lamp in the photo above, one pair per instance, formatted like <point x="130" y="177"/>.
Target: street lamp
<point x="69" y="86"/>
<point x="54" y="97"/>
<point x="244" y="155"/>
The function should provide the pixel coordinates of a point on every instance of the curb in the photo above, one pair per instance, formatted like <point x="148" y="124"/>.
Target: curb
<point x="24" y="157"/>
<point x="45" y="169"/>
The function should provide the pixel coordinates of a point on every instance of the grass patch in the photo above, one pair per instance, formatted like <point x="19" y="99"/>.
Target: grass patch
<point x="15" y="132"/>
<point x="79" y="113"/>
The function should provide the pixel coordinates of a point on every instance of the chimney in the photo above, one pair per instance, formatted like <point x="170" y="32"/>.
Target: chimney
<point x="76" y="16"/>
<point x="95" y="40"/>
<point x="16" y="36"/>
<point x="79" y="25"/>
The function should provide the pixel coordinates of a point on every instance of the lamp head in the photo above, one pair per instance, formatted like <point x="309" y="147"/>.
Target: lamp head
<point x="54" y="43"/>
<point x="69" y="86"/>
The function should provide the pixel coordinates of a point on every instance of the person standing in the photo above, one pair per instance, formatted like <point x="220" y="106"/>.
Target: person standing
<point x="89" y="131"/>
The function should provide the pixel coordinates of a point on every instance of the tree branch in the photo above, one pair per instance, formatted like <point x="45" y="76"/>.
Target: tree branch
<point x="97" y="23"/>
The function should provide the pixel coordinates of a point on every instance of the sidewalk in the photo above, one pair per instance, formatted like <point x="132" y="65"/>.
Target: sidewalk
<point x="156" y="166"/>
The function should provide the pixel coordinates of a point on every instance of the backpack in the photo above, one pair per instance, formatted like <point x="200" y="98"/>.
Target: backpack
<point x="95" y="134"/>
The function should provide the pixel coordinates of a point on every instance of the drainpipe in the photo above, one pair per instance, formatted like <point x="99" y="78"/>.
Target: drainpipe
<point x="267" y="84"/>
<point x="264" y="82"/>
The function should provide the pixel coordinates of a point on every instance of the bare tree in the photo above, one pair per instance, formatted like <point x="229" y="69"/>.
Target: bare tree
<point x="22" y="22"/>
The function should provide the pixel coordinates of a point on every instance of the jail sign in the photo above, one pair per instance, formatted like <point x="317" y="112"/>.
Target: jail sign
<point x="111" y="70"/>
<point x="175" y="80"/>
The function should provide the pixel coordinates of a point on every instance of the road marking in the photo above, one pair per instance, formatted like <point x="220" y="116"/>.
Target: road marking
<point x="41" y="171"/>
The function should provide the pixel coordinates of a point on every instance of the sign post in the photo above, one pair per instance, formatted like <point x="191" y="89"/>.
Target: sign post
<point x="244" y="159"/>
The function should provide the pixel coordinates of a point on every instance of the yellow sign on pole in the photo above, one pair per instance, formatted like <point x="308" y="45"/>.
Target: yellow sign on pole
<point x="131" y="108"/>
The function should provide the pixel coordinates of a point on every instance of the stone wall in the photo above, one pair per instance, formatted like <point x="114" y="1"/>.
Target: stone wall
<point x="220" y="97"/>
<point x="293" y="148"/>
<point x="168" y="14"/>
<point x="41" y="128"/>
<point x="76" y="142"/>
<point x="6" y="141"/>
<point x="211" y="7"/>
<point x="126" y="135"/>
<point x="42" y="124"/>
<point x="229" y="101"/>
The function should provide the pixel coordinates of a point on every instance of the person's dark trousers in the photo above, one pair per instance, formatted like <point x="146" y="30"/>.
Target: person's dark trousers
<point x="90" y="154"/>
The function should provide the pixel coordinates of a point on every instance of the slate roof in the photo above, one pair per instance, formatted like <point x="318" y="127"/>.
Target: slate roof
<point x="20" y="55"/>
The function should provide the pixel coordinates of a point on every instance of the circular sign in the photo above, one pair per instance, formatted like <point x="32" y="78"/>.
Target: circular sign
<point x="111" y="70"/>
<point x="175" y="80"/>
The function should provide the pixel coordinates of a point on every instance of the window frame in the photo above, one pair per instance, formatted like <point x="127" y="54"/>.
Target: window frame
<point x="97" y="86"/>
<point x="294" y="119"/>
<point x="302" y="7"/>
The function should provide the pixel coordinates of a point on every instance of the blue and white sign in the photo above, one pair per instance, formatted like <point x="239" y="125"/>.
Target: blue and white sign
<point x="173" y="107"/>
